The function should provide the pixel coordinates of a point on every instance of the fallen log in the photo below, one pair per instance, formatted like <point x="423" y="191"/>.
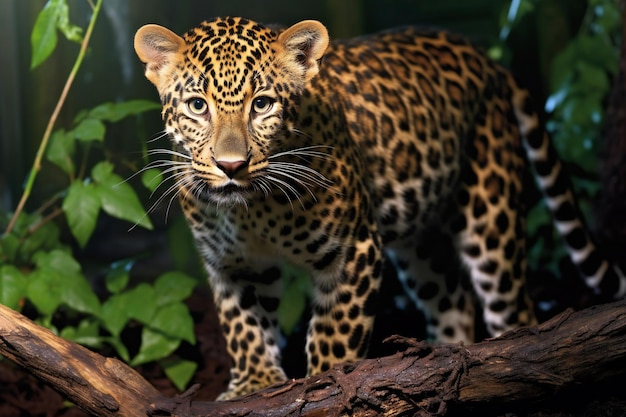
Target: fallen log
<point x="526" y="366"/>
<point x="101" y="386"/>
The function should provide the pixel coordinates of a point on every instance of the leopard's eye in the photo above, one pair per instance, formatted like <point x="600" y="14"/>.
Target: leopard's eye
<point x="197" y="106"/>
<point x="262" y="104"/>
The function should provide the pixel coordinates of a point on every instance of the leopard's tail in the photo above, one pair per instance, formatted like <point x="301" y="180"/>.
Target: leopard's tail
<point x="604" y="278"/>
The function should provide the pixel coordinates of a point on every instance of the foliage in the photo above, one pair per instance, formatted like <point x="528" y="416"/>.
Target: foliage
<point x="579" y="83"/>
<point x="38" y="268"/>
<point x="53" y="17"/>
<point x="297" y="289"/>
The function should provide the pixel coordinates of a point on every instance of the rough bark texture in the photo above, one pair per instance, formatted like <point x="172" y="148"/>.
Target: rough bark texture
<point x="527" y="367"/>
<point x="101" y="386"/>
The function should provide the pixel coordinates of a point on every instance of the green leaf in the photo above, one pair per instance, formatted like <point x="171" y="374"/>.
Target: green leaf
<point x="89" y="130"/>
<point x="61" y="150"/>
<point x="103" y="172"/>
<point x="60" y="274"/>
<point x="592" y="78"/>
<point x="87" y="333"/>
<point x="173" y="287"/>
<point x="79" y="295"/>
<point x="119" y="347"/>
<point x="608" y="17"/>
<point x="561" y="71"/>
<point x="113" y="314"/>
<point x="12" y="286"/>
<point x="43" y="38"/>
<point x="45" y="237"/>
<point x="179" y="371"/>
<point x="174" y="321"/>
<point x="291" y="307"/>
<point x="9" y="247"/>
<point x="44" y="291"/>
<point x="117" y="197"/>
<point x="141" y="303"/>
<point x="598" y="51"/>
<point x="151" y="178"/>
<point x="71" y="32"/>
<point x="80" y="116"/>
<point x="298" y="288"/>
<point x="114" y="112"/>
<point x="118" y="276"/>
<point x="180" y="243"/>
<point x="154" y="346"/>
<point x="582" y="111"/>
<point x="81" y="206"/>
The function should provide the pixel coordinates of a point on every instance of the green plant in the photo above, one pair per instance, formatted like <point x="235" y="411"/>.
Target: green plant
<point x="38" y="268"/>
<point x="298" y="288"/>
<point x="579" y="83"/>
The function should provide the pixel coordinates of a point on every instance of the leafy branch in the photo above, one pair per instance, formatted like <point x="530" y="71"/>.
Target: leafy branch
<point x="38" y="270"/>
<point x="55" y="13"/>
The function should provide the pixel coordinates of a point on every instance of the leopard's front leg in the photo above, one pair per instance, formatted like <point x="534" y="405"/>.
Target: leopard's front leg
<point x="246" y="299"/>
<point x="246" y="283"/>
<point x="344" y="301"/>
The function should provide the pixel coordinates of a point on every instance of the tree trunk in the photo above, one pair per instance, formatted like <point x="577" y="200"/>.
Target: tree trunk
<point x="101" y="386"/>
<point x="527" y="366"/>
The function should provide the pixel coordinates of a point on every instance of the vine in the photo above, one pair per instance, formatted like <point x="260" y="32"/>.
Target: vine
<point x="39" y="270"/>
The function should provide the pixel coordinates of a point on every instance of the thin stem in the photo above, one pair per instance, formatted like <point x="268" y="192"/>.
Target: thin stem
<point x="54" y="214"/>
<point x="53" y="200"/>
<point x="55" y="114"/>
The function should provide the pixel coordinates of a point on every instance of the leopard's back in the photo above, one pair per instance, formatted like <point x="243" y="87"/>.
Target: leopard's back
<point x="434" y="121"/>
<point x="412" y="100"/>
<point x="444" y="128"/>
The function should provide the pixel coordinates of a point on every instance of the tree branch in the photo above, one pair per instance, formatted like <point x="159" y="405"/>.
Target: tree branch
<point x="526" y="366"/>
<point x="101" y="386"/>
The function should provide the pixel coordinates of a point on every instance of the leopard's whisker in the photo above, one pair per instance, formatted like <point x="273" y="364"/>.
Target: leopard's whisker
<point x="262" y="185"/>
<point x="286" y="188"/>
<point x="173" y="189"/>
<point x="157" y="136"/>
<point x="308" y="151"/>
<point x="164" y="151"/>
<point x="304" y="172"/>
<point x="300" y="132"/>
<point x="293" y="177"/>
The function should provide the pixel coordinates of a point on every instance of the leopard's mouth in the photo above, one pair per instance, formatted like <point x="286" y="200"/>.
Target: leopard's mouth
<point x="228" y="193"/>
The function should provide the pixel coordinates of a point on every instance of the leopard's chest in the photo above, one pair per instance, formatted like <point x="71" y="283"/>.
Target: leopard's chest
<point x="295" y="231"/>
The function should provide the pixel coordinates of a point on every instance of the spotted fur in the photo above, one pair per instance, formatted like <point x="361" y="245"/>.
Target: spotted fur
<point x="407" y="145"/>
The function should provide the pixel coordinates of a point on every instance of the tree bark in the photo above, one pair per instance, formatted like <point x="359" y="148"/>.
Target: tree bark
<point x="100" y="386"/>
<point x="526" y="366"/>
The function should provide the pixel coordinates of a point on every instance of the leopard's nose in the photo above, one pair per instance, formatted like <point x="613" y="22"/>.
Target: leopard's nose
<point x="230" y="168"/>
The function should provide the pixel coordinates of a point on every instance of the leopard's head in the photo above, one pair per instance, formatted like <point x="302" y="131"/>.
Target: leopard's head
<point x="230" y="89"/>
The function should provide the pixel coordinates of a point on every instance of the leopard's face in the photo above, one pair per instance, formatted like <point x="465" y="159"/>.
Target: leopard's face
<point x="228" y="88"/>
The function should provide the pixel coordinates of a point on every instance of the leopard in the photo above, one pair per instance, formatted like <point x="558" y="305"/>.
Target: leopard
<point x="407" y="147"/>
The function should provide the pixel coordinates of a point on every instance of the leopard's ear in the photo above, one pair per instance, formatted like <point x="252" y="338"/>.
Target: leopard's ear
<point x="305" y="44"/>
<point x="158" y="48"/>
